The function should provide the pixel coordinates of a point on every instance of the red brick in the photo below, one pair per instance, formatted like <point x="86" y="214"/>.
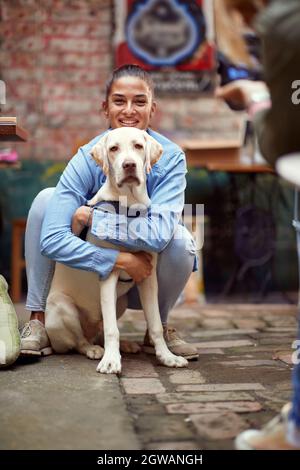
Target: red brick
<point x="31" y="10"/>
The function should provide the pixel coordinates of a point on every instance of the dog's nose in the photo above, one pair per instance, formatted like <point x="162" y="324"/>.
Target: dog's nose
<point x="129" y="166"/>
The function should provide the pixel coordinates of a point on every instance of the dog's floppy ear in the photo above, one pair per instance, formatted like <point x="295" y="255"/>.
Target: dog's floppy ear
<point x="153" y="151"/>
<point x="99" y="154"/>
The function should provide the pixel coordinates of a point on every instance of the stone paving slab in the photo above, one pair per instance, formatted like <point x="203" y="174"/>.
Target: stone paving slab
<point x="212" y="323"/>
<point x="190" y="397"/>
<point x="166" y="427"/>
<point x="216" y="426"/>
<point x="220" y="387"/>
<point x="247" y="323"/>
<point x="210" y="351"/>
<point x="173" y="445"/>
<point x="142" y="386"/>
<point x="224" y="344"/>
<point x="185" y="377"/>
<point x="134" y="367"/>
<point x="284" y="356"/>
<point x="196" y="408"/>
<point x="222" y="332"/>
<point x="250" y="363"/>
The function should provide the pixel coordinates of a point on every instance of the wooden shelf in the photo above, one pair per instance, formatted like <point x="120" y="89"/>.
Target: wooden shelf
<point x="12" y="133"/>
<point x="9" y="166"/>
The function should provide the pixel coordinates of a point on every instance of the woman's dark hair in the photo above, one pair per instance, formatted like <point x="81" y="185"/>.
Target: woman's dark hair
<point x="129" y="70"/>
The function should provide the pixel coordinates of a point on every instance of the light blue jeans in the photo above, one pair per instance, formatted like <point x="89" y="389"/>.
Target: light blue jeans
<point x="175" y="264"/>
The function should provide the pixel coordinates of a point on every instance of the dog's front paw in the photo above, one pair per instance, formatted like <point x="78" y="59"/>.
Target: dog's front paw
<point x="94" y="352"/>
<point x="110" y="364"/>
<point x="170" y="360"/>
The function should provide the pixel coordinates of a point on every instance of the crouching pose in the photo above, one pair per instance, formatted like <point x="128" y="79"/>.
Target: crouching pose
<point x="58" y="215"/>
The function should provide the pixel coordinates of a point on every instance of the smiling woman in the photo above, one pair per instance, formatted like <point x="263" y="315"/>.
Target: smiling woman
<point x="129" y="103"/>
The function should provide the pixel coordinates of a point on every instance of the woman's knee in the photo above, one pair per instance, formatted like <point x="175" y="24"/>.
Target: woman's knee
<point x="39" y="204"/>
<point x="181" y="250"/>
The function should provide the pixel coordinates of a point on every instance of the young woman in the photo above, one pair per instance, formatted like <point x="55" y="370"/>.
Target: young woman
<point x="58" y="214"/>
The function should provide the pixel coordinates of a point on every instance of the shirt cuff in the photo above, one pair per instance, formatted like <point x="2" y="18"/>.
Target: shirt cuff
<point x="104" y="261"/>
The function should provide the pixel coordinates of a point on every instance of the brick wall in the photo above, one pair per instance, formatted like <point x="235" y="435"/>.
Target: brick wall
<point x="55" y="58"/>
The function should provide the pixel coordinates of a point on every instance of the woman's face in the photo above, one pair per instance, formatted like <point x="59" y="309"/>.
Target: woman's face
<point x="129" y="104"/>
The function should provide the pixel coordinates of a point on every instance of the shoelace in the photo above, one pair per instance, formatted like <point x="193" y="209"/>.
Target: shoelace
<point x="25" y="331"/>
<point x="171" y="334"/>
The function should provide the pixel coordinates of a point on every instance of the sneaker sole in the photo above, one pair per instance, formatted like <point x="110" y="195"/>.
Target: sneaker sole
<point x="151" y="350"/>
<point x="31" y="352"/>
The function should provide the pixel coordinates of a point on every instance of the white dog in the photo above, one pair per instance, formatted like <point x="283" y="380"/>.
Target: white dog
<point x="78" y="302"/>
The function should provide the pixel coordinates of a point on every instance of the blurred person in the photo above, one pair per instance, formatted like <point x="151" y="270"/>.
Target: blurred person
<point x="238" y="46"/>
<point x="276" y="118"/>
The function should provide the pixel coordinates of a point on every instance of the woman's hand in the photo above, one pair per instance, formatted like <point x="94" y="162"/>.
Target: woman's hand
<point x="137" y="265"/>
<point x="82" y="218"/>
<point x="242" y="92"/>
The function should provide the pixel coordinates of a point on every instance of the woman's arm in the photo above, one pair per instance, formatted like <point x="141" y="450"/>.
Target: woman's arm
<point x="57" y="240"/>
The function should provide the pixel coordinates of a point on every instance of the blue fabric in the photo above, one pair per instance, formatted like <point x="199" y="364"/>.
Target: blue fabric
<point x="81" y="179"/>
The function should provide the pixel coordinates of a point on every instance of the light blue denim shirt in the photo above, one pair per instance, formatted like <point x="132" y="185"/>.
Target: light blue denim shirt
<point x="81" y="179"/>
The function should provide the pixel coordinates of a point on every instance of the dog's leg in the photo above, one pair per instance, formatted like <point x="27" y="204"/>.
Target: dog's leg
<point x="148" y="290"/>
<point x="128" y="347"/>
<point x="64" y="328"/>
<point x="111" y="361"/>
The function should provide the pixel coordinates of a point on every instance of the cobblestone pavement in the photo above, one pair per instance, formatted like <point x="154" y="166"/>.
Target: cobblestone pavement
<point x="241" y="380"/>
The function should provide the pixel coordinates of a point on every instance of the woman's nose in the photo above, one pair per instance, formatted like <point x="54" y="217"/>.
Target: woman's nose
<point x="129" y="108"/>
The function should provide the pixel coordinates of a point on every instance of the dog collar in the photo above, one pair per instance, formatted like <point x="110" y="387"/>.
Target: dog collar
<point x="114" y="207"/>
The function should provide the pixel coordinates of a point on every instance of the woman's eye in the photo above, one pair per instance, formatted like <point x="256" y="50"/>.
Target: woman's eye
<point x="141" y="103"/>
<point x="138" y="146"/>
<point x="119" y="102"/>
<point x="114" y="148"/>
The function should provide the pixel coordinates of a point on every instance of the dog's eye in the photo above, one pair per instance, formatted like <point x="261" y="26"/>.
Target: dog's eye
<point x="138" y="146"/>
<point x="114" y="148"/>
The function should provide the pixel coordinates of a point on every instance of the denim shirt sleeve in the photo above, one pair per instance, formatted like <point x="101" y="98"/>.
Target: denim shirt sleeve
<point x="57" y="240"/>
<point x="153" y="231"/>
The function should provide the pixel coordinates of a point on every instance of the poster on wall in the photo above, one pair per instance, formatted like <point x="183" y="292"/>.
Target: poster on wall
<point x="172" y="39"/>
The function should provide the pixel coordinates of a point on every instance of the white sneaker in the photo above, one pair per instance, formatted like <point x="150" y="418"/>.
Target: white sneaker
<point x="273" y="435"/>
<point x="34" y="339"/>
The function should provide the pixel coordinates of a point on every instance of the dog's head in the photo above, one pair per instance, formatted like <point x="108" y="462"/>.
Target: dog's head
<point x="127" y="154"/>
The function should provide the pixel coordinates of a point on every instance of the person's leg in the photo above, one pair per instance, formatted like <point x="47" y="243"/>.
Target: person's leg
<point x="174" y="267"/>
<point x="294" y="417"/>
<point x="39" y="270"/>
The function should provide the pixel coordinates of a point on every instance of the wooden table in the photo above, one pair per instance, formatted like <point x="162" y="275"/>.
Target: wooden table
<point x="220" y="155"/>
<point x="12" y="133"/>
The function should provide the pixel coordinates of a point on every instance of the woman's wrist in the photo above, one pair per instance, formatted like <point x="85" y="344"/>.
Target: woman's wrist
<point x="90" y="216"/>
<point x="122" y="260"/>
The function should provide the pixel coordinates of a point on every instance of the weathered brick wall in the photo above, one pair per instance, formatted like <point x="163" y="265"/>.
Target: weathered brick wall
<point x="55" y="58"/>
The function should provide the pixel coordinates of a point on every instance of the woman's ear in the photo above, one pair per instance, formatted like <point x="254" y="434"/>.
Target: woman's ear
<point x="153" y="109"/>
<point x="153" y="151"/>
<point x="99" y="154"/>
<point x="105" y="108"/>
